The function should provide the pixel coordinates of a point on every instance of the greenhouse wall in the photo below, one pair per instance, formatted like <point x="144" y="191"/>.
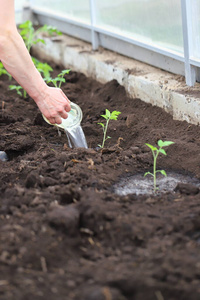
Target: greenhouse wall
<point x="19" y="4"/>
<point x="162" y="33"/>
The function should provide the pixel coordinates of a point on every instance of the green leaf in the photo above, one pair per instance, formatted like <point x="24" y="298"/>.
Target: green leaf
<point x="151" y="147"/>
<point x="114" y="115"/>
<point x="29" y="34"/>
<point x="3" y="71"/>
<point x="60" y="79"/>
<point x="23" y="32"/>
<point x="17" y="88"/>
<point x="164" y="144"/>
<point x="162" y="172"/>
<point x="148" y="173"/>
<point x="26" y="24"/>
<point x="107" y="113"/>
<point x="101" y="124"/>
<point x="35" y="61"/>
<point x="104" y="116"/>
<point x="39" y="41"/>
<point x="162" y="151"/>
<point x="14" y="87"/>
<point x="160" y="143"/>
<point x="64" y="72"/>
<point x="49" y="29"/>
<point x="167" y="143"/>
<point x="44" y="68"/>
<point x="48" y="79"/>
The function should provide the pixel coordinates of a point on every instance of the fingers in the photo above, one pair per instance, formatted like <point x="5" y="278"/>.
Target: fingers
<point x="55" y="105"/>
<point x="55" y="120"/>
<point x="64" y="115"/>
<point x="67" y="106"/>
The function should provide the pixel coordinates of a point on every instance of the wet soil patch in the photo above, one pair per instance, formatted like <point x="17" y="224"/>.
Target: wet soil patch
<point x="140" y="185"/>
<point x="65" y="233"/>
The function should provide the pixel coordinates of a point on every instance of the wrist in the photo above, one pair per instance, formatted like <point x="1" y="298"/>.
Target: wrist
<point x="39" y="94"/>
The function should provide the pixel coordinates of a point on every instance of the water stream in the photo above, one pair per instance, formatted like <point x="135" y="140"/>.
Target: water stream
<point x="76" y="137"/>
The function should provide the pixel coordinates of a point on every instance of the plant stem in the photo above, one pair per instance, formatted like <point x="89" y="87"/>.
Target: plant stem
<point x="24" y="94"/>
<point x="154" y="169"/>
<point x="104" y="135"/>
<point x="60" y="82"/>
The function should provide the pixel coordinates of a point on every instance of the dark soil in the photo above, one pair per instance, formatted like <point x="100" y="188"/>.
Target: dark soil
<point x="65" y="234"/>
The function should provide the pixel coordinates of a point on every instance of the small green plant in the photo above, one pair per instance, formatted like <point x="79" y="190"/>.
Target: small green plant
<point x="155" y="152"/>
<point x="50" y="30"/>
<point x="108" y="116"/>
<point x="57" y="82"/>
<point x="29" y="34"/>
<point x="4" y="72"/>
<point x="18" y="89"/>
<point x="43" y="68"/>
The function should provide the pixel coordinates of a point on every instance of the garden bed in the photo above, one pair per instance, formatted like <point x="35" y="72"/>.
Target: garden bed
<point x="65" y="233"/>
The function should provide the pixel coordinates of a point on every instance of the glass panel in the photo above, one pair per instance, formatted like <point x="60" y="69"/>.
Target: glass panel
<point x="195" y="38"/>
<point x="156" y="22"/>
<point x="76" y="9"/>
<point x="19" y="4"/>
<point x="18" y="10"/>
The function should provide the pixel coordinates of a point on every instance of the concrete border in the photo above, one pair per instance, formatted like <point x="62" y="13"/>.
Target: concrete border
<point x="151" y="85"/>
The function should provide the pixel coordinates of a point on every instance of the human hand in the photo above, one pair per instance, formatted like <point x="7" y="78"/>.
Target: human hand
<point x="53" y="104"/>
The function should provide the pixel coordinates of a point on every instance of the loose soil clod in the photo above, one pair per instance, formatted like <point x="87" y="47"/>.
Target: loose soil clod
<point x="65" y="234"/>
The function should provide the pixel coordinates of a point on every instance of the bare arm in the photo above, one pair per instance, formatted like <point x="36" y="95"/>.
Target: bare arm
<point x="52" y="102"/>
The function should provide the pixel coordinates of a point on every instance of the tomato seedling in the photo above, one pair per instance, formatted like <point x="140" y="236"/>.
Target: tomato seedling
<point x="29" y="34"/>
<point x="57" y="82"/>
<point x="155" y="152"/>
<point x="18" y="89"/>
<point x="43" y="68"/>
<point x="108" y="116"/>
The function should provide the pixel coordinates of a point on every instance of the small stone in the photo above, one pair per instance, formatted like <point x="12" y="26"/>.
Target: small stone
<point x="3" y="156"/>
<point x="131" y="120"/>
